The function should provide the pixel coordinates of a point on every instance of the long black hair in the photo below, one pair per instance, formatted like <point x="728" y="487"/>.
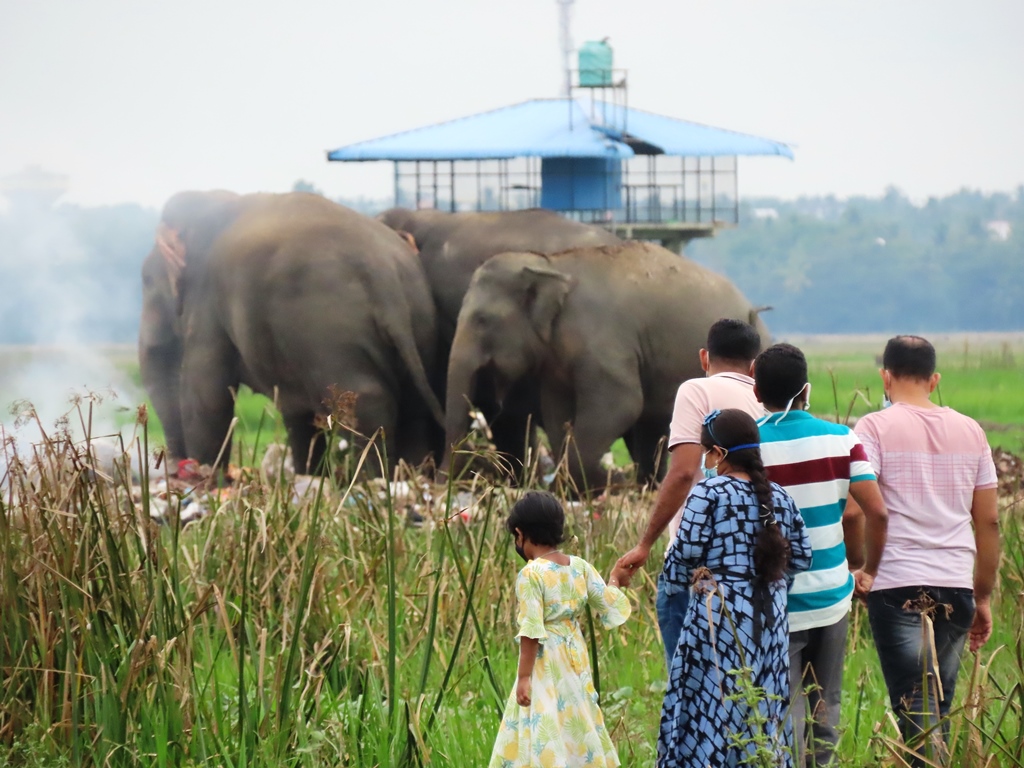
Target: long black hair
<point x="540" y="517"/>
<point x="737" y="433"/>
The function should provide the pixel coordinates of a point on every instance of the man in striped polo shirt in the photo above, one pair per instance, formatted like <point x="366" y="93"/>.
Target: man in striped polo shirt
<point x="819" y="463"/>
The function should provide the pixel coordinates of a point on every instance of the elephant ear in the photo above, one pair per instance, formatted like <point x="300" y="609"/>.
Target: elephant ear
<point x="172" y="249"/>
<point x="408" y="238"/>
<point x="543" y="297"/>
<point x="190" y="224"/>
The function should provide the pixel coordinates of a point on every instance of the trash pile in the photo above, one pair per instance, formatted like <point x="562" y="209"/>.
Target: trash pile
<point x="191" y="492"/>
<point x="186" y="492"/>
<point x="1009" y="470"/>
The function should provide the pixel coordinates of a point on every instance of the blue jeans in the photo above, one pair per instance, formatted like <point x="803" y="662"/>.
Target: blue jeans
<point x="671" y="606"/>
<point x="906" y="657"/>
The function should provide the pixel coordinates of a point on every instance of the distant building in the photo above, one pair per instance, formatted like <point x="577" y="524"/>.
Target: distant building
<point x="999" y="230"/>
<point x="33" y="188"/>
<point x="765" y="214"/>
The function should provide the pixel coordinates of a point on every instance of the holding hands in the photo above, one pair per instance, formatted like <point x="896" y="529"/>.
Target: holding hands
<point x="620" y="575"/>
<point x="627" y="565"/>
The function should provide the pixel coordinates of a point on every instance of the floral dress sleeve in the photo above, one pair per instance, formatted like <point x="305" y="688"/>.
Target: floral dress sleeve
<point x="530" y="594"/>
<point x="686" y="553"/>
<point x="795" y="531"/>
<point x="609" y="604"/>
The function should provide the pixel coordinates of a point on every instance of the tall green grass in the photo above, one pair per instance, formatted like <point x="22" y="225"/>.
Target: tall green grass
<point x="325" y="632"/>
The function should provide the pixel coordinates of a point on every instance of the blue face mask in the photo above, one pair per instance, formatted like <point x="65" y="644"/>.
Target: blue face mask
<point x="709" y="473"/>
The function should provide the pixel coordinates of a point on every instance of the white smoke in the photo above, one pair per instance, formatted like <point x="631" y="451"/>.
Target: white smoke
<point x="48" y="301"/>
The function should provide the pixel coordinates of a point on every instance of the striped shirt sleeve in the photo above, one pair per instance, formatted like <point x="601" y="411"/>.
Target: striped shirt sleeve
<point x="860" y="464"/>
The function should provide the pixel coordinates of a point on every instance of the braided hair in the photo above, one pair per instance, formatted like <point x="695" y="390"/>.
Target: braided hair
<point x="733" y="427"/>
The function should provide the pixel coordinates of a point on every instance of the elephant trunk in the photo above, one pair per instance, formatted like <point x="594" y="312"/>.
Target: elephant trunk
<point x="463" y="371"/>
<point x="160" y="366"/>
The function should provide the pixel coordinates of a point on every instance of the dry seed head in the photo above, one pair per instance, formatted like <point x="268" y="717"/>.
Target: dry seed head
<point x="341" y="407"/>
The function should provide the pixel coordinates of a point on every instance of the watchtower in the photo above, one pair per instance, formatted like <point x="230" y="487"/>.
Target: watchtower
<point x="590" y="156"/>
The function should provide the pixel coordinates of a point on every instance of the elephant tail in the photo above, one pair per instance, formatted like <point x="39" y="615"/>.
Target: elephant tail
<point x="403" y="341"/>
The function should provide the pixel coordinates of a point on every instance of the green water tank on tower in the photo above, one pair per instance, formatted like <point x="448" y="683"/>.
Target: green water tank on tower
<point x="596" y="64"/>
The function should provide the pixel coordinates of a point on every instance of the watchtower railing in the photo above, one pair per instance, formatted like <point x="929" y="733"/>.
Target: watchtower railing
<point x="652" y="188"/>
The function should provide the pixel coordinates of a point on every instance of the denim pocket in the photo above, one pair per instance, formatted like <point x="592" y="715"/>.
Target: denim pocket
<point x="963" y="604"/>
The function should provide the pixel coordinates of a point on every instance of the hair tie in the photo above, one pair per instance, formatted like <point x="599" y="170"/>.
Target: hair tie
<point x="745" y="445"/>
<point x="709" y="420"/>
<point x="767" y="516"/>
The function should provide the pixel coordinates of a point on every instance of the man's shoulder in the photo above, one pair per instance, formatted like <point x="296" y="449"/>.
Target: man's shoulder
<point x="717" y="393"/>
<point x="824" y="427"/>
<point x="961" y="418"/>
<point x="692" y="385"/>
<point x="896" y="414"/>
<point x="871" y="421"/>
<point x="808" y="426"/>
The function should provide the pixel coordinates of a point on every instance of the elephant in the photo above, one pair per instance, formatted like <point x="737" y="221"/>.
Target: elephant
<point x="609" y="333"/>
<point x="452" y="246"/>
<point x="298" y="297"/>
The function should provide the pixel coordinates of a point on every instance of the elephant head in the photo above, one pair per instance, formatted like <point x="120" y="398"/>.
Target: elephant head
<point x="188" y="226"/>
<point x="422" y="227"/>
<point x="504" y="330"/>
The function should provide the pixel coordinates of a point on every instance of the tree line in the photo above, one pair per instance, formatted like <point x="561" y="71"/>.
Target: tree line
<point x="882" y="264"/>
<point x="72" y="275"/>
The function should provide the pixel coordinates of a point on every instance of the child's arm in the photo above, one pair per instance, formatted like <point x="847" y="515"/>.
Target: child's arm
<point x="609" y="604"/>
<point x="527" y="656"/>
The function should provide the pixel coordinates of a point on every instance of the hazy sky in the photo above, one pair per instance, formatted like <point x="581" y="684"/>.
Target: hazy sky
<point x="136" y="99"/>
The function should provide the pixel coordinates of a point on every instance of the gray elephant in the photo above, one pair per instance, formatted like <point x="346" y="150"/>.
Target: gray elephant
<point x="452" y="246"/>
<point x="608" y="333"/>
<point x="299" y="298"/>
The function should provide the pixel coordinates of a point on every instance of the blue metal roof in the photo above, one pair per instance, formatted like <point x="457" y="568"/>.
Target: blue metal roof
<point x="543" y="128"/>
<point x="683" y="138"/>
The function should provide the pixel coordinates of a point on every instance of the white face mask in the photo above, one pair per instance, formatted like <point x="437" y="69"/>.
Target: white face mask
<point x="789" y="405"/>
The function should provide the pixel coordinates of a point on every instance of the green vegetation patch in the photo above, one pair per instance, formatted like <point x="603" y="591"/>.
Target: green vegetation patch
<point x="322" y="631"/>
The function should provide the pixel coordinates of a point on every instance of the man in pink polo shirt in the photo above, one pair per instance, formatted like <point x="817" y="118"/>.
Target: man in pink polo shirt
<point x="728" y="361"/>
<point x="935" y="471"/>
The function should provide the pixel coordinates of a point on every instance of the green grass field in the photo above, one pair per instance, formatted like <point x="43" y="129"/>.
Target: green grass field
<point x="982" y="376"/>
<point x="324" y="632"/>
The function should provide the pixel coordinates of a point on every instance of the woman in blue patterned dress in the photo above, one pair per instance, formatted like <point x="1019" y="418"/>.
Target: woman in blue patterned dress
<point x="728" y="687"/>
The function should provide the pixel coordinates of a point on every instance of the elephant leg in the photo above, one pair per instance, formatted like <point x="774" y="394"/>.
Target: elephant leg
<point x="209" y="378"/>
<point x="376" y="408"/>
<point x="306" y="441"/>
<point x="418" y="438"/>
<point x="514" y="428"/>
<point x="557" y="407"/>
<point x="604" y="412"/>
<point x="648" y="448"/>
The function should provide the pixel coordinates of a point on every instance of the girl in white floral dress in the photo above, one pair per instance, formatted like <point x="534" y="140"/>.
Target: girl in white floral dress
<point x="552" y="718"/>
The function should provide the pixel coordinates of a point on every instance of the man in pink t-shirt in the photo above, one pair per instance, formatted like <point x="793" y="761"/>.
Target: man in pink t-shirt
<point x="728" y="361"/>
<point x="935" y="471"/>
